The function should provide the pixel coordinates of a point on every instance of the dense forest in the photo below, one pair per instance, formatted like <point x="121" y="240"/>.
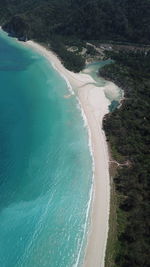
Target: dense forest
<point x="128" y="132"/>
<point x="63" y="20"/>
<point x="86" y="19"/>
<point x="58" y="23"/>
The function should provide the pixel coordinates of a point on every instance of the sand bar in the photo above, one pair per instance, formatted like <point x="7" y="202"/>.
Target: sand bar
<point x="95" y="106"/>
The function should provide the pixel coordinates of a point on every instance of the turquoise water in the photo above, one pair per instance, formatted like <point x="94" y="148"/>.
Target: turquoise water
<point x="113" y="97"/>
<point x="93" y="69"/>
<point x="45" y="163"/>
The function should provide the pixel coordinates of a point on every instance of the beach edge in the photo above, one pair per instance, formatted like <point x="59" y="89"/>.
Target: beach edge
<point x="94" y="105"/>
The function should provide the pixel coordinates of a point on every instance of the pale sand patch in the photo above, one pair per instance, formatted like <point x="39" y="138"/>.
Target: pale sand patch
<point x="91" y="99"/>
<point x="95" y="106"/>
<point x="67" y="96"/>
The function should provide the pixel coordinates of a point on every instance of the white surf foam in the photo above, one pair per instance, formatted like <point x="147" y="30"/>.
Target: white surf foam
<point x="91" y="193"/>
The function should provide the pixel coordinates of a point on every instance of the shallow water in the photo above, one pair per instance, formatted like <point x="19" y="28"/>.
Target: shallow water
<point x="113" y="95"/>
<point x="45" y="163"/>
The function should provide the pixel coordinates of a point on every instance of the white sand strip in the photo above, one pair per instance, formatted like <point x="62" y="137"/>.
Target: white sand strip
<point x="95" y="106"/>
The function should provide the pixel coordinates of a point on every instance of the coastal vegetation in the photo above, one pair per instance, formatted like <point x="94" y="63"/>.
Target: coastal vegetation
<point x="128" y="130"/>
<point x="71" y="60"/>
<point x="57" y="22"/>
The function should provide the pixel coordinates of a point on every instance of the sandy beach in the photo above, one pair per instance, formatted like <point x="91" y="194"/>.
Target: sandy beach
<point x="95" y="105"/>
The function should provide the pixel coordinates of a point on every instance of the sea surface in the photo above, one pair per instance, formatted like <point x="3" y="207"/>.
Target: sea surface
<point x="45" y="163"/>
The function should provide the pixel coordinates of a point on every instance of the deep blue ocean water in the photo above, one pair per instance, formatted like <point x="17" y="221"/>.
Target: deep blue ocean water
<point x="45" y="163"/>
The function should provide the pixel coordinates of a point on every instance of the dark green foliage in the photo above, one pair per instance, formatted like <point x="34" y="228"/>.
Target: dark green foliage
<point x="90" y="50"/>
<point x="17" y="27"/>
<point x="70" y="60"/>
<point x="58" y="23"/>
<point x="115" y="20"/>
<point x="128" y="130"/>
<point x="124" y="20"/>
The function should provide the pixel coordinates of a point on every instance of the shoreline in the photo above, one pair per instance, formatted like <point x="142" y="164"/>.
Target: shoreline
<point x="94" y="106"/>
